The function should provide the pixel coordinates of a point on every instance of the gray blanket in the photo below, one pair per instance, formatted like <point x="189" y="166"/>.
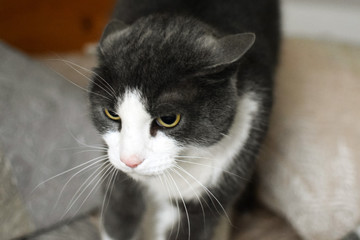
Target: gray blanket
<point x="44" y="130"/>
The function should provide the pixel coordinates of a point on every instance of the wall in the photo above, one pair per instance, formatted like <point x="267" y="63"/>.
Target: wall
<point x="332" y="20"/>
<point x="46" y="26"/>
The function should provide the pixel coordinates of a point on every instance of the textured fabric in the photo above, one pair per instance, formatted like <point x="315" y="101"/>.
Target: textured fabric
<point x="43" y="124"/>
<point x="310" y="169"/>
<point x="14" y="220"/>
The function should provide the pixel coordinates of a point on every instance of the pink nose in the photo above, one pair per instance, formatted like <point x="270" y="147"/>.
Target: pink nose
<point x="133" y="161"/>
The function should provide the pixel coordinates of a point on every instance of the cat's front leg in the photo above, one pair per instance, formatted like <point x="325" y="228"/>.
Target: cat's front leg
<point x="122" y="217"/>
<point x="201" y="223"/>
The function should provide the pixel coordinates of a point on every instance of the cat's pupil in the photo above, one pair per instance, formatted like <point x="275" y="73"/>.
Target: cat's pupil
<point x="113" y="113"/>
<point x="168" y="119"/>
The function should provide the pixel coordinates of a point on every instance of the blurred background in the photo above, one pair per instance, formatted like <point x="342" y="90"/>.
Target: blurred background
<point x="46" y="26"/>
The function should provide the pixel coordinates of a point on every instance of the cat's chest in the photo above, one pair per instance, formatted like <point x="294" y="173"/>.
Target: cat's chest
<point x="183" y="182"/>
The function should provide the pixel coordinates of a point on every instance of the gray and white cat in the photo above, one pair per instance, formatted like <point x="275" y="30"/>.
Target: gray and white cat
<point x="182" y="96"/>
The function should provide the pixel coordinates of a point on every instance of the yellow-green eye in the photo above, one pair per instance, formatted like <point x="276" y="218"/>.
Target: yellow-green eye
<point x="169" y="121"/>
<point x="110" y="114"/>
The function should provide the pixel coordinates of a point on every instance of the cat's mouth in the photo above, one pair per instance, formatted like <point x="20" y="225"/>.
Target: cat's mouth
<point x="146" y="169"/>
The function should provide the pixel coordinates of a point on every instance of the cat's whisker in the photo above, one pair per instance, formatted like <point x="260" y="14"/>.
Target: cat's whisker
<point x="194" y="157"/>
<point x="79" y="148"/>
<point x="92" y="147"/>
<point x="169" y="195"/>
<point x="207" y="190"/>
<point x="82" y="88"/>
<point x="67" y="171"/>
<point x="177" y="205"/>
<point x="85" y="150"/>
<point x="88" y="70"/>
<point x="257" y="129"/>
<point x="184" y="204"/>
<point x="212" y="201"/>
<point x="196" y="194"/>
<point x="249" y="152"/>
<point x="89" y="178"/>
<point x="79" y="192"/>
<point x="110" y="184"/>
<point x="212" y="167"/>
<point x="116" y="171"/>
<point x="90" y="150"/>
<point x="224" y="135"/>
<point x="99" y="182"/>
<point x="111" y="94"/>
<point x="74" y="175"/>
<point x="101" y="147"/>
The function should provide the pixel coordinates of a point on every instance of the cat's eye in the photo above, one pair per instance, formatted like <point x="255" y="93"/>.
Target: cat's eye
<point x="169" y="121"/>
<point x="111" y="115"/>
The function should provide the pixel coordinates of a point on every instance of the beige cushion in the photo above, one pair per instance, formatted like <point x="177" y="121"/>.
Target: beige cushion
<point x="310" y="165"/>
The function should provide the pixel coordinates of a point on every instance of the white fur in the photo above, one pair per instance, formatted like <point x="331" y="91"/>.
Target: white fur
<point x="105" y="236"/>
<point x="135" y="139"/>
<point x="166" y="216"/>
<point x="225" y="150"/>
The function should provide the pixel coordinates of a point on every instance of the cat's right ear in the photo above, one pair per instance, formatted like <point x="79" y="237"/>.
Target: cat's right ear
<point x="227" y="53"/>
<point x="114" y="27"/>
<point x="232" y="47"/>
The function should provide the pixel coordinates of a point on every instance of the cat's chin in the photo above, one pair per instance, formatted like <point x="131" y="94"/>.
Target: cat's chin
<point x="140" y="177"/>
<point x="144" y="177"/>
<point x="143" y="174"/>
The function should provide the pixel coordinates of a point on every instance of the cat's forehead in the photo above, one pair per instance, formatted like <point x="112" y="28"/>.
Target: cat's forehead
<point x="173" y="30"/>
<point x="167" y="99"/>
<point x="158" y="57"/>
<point x="157" y="44"/>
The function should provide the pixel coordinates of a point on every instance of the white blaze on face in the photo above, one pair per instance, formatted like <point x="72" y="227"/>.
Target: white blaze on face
<point x="135" y="131"/>
<point x="133" y="149"/>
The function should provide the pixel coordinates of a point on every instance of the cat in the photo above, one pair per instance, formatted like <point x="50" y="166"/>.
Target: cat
<point x="181" y="96"/>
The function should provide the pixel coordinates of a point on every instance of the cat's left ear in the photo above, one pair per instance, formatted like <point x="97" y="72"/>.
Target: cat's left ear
<point x="231" y="48"/>
<point x="112" y="28"/>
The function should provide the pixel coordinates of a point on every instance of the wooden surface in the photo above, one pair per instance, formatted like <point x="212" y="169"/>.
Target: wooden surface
<point x="45" y="26"/>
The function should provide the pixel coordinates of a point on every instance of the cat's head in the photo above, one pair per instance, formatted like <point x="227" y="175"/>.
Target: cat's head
<point x="163" y="85"/>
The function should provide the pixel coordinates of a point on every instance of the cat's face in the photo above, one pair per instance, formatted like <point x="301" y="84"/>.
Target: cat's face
<point x="139" y="143"/>
<point x="145" y="134"/>
<point x="157" y="92"/>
